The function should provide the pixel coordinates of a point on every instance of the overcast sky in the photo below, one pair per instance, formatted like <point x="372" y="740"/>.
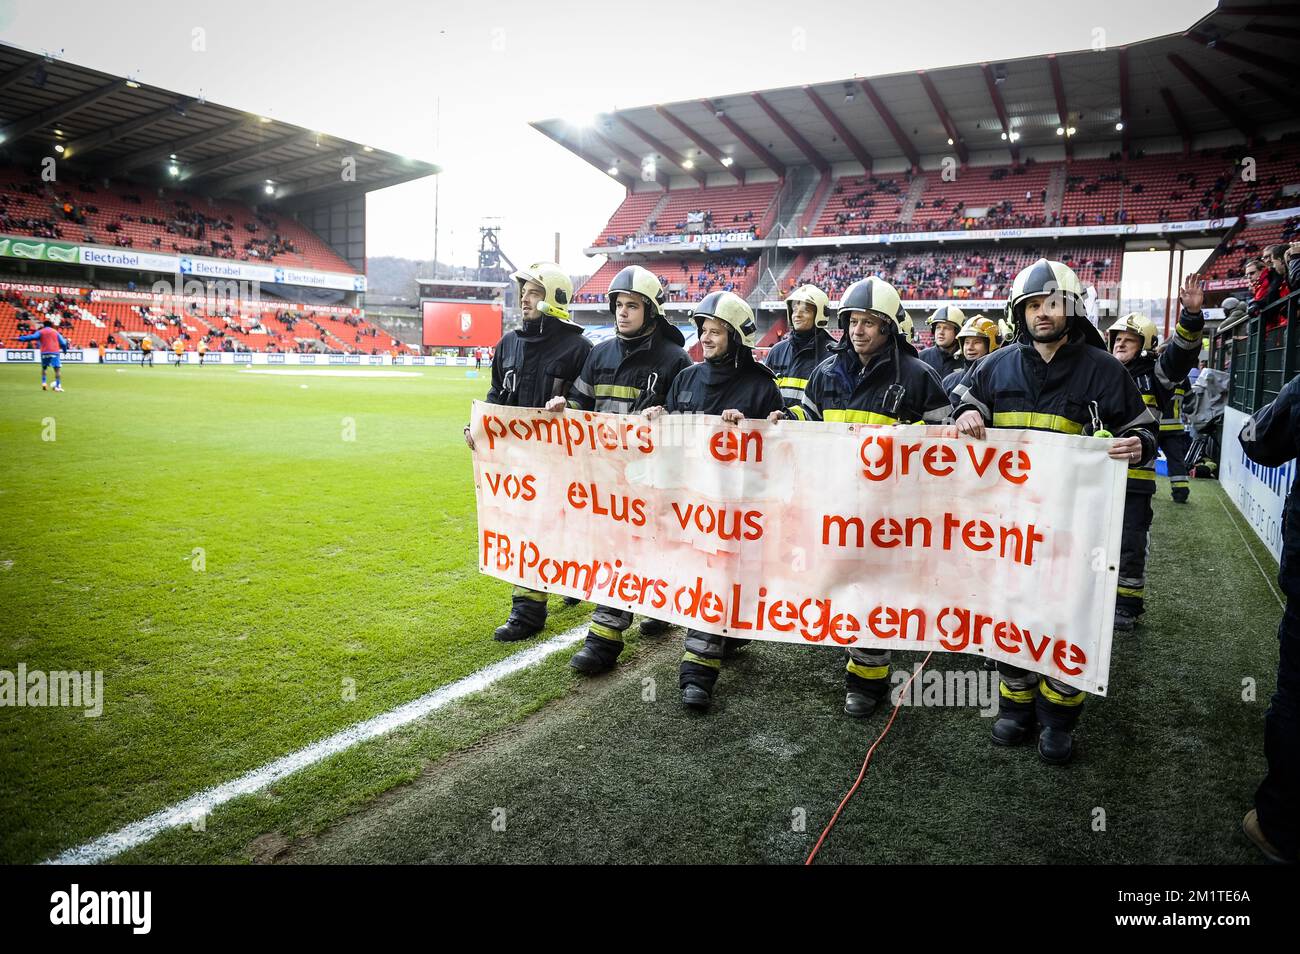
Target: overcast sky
<point x="373" y="72"/>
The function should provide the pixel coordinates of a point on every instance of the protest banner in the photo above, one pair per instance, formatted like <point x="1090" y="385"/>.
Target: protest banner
<point x="810" y="532"/>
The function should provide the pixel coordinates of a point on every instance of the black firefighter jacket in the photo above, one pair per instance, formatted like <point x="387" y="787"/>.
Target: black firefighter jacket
<point x="793" y="360"/>
<point x="1162" y="381"/>
<point x="713" y="387"/>
<point x="894" y="387"/>
<point x="1083" y="389"/>
<point x="943" y="362"/>
<point x="531" y="367"/>
<point x="625" y="376"/>
<point x="1271" y="438"/>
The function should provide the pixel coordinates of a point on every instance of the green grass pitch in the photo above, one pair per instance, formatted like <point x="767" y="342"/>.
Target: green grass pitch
<point x="337" y="579"/>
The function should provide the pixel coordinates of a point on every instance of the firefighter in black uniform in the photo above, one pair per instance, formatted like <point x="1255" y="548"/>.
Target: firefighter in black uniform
<point x="629" y="372"/>
<point x="978" y="338"/>
<point x="731" y="383"/>
<point x="945" y="354"/>
<point x="1157" y="376"/>
<point x="1175" y="441"/>
<point x="536" y="362"/>
<point x="874" y="377"/>
<point x="1272" y="438"/>
<point x="1054" y="376"/>
<point x="793" y="358"/>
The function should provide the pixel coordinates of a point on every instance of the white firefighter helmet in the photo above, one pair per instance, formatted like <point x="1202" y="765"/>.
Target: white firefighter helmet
<point x="870" y="294"/>
<point x="1044" y="278"/>
<point x="731" y="310"/>
<point x="949" y="313"/>
<point x="814" y="296"/>
<point x="558" y="288"/>
<point x="639" y="281"/>
<point x="1135" y="324"/>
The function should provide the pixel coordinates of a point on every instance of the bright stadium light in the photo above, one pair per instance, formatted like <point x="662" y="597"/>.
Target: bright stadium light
<point x="132" y="84"/>
<point x="174" y="169"/>
<point x="727" y="160"/>
<point x="612" y="170"/>
<point x="1119" y="127"/>
<point x="950" y="141"/>
<point x="269" y="188"/>
<point x="1071" y="131"/>
<point x="58" y="147"/>
<point x="172" y="156"/>
<point x="368" y="148"/>
<point x="1060" y="130"/>
<point x="1004" y="135"/>
<point x="1015" y="136"/>
<point x="688" y="164"/>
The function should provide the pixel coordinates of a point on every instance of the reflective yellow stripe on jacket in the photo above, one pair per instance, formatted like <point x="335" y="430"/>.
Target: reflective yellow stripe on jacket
<point x="858" y="417"/>
<point x="1041" y="422"/>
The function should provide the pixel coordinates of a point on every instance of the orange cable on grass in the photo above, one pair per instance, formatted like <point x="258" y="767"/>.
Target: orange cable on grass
<point x="867" y="761"/>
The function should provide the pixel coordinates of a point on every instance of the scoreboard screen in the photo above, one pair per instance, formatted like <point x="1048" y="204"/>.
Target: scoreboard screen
<point x="461" y="324"/>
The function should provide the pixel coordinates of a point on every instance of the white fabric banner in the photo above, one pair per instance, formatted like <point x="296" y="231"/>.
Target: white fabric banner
<point x="808" y="532"/>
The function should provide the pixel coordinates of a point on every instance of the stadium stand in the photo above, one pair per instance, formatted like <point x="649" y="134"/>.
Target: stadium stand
<point x="863" y="204"/>
<point x="165" y="221"/>
<point x="980" y="272"/>
<point x="1108" y="191"/>
<point x="630" y="218"/>
<point x="983" y="198"/>
<point x="1229" y="259"/>
<point x="685" y="280"/>
<point x="261" y="327"/>
<point x="725" y="208"/>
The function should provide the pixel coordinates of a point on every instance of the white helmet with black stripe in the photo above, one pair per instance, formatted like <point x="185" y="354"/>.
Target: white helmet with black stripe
<point x="1045" y="278"/>
<point x="731" y="310"/>
<point x="642" y="282"/>
<point x="815" y="297"/>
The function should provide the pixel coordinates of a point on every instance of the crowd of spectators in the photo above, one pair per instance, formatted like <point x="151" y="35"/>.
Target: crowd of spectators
<point x="693" y="279"/>
<point x="66" y="213"/>
<point x="945" y="275"/>
<point x="1272" y="276"/>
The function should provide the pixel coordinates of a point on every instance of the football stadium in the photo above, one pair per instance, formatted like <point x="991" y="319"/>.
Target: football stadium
<point x="264" y="606"/>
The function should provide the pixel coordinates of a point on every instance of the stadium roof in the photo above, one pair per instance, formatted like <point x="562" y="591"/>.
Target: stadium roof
<point x="1230" y="71"/>
<point x="115" y="126"/>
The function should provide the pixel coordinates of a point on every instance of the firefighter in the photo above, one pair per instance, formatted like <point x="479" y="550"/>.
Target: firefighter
<point x="978" y="338"/>
<point x="1158" y="377"/>
<point x="731" y="383"/>
<point x="945" y="354"/>
<point x="1271" y="438"/>
<point x="873" y="377"/>
<point x="795" y="357"/>
<point x="629" y="372"/>
<point x="530" y="365"/>
<point x="1055" y="376"/>
<point x="1175" y="441"/>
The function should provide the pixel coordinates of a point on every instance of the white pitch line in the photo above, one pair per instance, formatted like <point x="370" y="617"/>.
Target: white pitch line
<point x="334" y="372"/>
<point x="197" y="806"/>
